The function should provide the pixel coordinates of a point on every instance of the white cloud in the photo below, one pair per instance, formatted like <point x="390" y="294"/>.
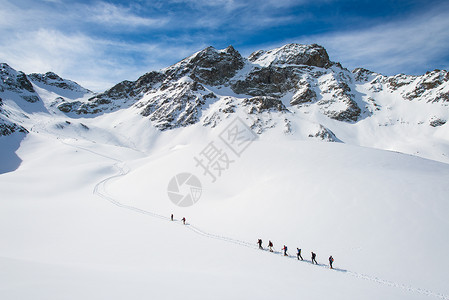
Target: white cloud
<point x="94" y="63"/>
<point x="409" y="46"/>
<point x="110" y="14"/>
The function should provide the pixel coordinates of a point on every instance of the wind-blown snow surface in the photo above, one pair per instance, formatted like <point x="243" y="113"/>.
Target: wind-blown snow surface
<point x="382" y="215"/>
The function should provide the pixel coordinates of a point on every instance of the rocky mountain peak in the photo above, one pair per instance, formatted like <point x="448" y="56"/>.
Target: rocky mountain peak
<point x="231" y="50"/>
<point x="209" y="66"/>
<point x="292" y="54"/>
<point x="16" y="81"/>
<point x="5" y="68"/>
<point x="362" y="74"/>
<point x="55" y="80"/>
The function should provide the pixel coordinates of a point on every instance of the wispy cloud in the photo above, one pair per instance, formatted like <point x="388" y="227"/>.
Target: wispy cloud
<point x="408" y="46"/>
<point x="412" y="45"/>
<point x="95" y="63"/>
<point x="110" y="14"/>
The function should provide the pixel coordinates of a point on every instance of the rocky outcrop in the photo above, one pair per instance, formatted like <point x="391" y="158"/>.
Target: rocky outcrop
<point x="304" y="94"/>
<point x="293" y="54"/>
<point x="261" y="104"/>
<point x="338" y="100"/>
<point x="324" y="134"/>
<point x="6" y="126"/>
<point x="52" y="79"/>
<point x="363" y="75"/>
<point x="425" y="85"/>
<point x="437" y="122"/>
<point x="209" y="66"/>
<point x="270" y="81"/>
<point x="17" y="82"/>
<point x="179" y="106"/>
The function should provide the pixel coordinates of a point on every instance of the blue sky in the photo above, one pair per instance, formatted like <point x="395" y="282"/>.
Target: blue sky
<point x="100" y="43"/>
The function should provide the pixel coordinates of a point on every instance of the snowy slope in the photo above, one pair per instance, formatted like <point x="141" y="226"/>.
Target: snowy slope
<point x="380" y="214"/>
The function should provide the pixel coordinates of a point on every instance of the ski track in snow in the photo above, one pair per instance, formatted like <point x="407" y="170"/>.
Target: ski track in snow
<point x="100" y="190"/>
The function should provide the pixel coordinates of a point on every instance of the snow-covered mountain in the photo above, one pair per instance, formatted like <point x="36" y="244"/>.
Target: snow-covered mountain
<point x="84" y="208"/>
<point x="294" y="90"/>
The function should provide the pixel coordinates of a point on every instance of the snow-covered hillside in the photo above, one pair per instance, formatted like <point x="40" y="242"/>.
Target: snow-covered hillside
<point x="348" y="164"/>
<point x="382" y="215"/>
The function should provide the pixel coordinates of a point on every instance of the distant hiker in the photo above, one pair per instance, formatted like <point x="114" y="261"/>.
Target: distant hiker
<point x="183" y="220"/>
<point x="298" y="255"/>
<point x="270" y="245"/>
<point x="314" y="258"/>
<point x="331" y="260"/>
<point x="285" y="250"/>
<point x="260" y="244"/>
<point x="171" y="217"/>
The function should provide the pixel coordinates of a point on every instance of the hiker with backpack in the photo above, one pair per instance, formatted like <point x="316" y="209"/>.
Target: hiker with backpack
<point x="298" y="254"/>
<point x="285" y="250"/>
<point x="259" y="241"/>
<point x="331" y="260"/>
<point x="270" y="245"/>
<point x="314" y="258"/>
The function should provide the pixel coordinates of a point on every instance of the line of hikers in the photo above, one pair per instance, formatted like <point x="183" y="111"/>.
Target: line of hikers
<point x="298" y="253"/>
<point x="183" y="219"/>
<point x="270" y="247"/>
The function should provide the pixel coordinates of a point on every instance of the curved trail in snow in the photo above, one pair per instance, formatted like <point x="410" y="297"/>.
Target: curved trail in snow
<point x="100" y="190"/>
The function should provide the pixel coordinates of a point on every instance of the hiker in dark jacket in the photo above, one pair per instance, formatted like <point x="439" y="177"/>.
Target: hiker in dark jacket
<point x="314" y="258"/>
<point x="259" y="241"/>
<point x="298" y="254"/>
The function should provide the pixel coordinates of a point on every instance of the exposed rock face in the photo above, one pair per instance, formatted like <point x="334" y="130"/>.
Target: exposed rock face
<point x="264" y="103"/>
<point x="53" y="79"/>
<point x="263" y="83"/>
<point x="209" y="66"/>
<point x="293" y="54"/>
<point x="431" y="81"/>
<point x="179" y="106"/>
<point x="325" y="134"/>
<point x="304" y="94"/>
<point x="337" y="98"/>
<point x="437" y="122"/>
<point x="270" y="81"/>
<point x="17" y="82"/>
<point x="6" y="126"/>
<point x="169" y="102"/>
<point x="349" y="112"/>
<point x="363" y="75"/>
